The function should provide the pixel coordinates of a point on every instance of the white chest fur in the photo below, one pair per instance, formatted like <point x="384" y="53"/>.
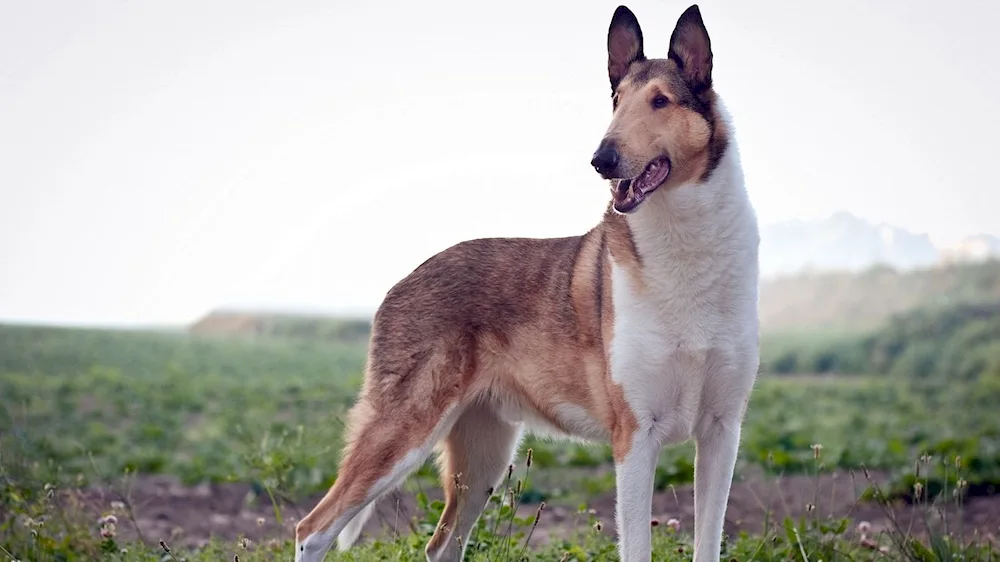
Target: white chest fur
<point x="685" y="335"/>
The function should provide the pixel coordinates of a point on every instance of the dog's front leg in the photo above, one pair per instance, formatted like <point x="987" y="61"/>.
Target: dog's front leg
<point x="635" y="467"/>
<point x="716" y="444"/>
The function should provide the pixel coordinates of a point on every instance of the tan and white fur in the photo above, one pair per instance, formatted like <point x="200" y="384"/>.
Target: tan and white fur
<point x="641" y="332"/>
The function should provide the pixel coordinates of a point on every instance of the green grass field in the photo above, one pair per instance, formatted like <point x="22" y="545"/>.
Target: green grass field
<point x="88" y="409"/>
<point x="92" y="404"/>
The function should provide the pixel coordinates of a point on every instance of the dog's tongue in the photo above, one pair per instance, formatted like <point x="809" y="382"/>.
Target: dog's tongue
<point x="626" y="196"/>
<point x="652" y="176"/>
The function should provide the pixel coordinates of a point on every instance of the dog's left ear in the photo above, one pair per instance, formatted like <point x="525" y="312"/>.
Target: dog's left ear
<point x="691" y="49"/>
<point x="624" y="44"/>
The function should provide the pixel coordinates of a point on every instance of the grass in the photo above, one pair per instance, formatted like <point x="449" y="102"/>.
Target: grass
<point x="957" y="344"/>
<point x="48" y="525"/>
<point x="85" y="404"/>
<point x="82" y="407"/>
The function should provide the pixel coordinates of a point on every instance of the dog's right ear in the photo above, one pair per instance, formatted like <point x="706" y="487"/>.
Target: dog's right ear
<point x="624" y="44"/>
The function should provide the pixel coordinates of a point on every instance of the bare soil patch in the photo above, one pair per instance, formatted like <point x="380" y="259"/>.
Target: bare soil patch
<point x="191" y="515"/>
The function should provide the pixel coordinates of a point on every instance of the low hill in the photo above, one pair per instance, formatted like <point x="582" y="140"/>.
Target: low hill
<point x="852" y="302"/>
<point x="841" y="242"/>
<point x="277" y="325"/>
<point x="845" y="242"/>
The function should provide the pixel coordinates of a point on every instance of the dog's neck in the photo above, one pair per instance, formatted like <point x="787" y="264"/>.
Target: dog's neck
<point x="681" y="211"/>
<point x="701" y="218"/>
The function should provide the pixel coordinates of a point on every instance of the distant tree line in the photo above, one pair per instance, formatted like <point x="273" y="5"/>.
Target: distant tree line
<point x="957" y="342"/>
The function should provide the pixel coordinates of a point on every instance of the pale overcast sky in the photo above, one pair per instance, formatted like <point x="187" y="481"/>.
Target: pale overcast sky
<point x="158" y="159"/>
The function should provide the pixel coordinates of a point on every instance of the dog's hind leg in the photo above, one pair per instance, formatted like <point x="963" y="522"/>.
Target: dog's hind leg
<point x="352" y="531"/>
<point x="474" y="457"/>
<point x="388" y="443"/>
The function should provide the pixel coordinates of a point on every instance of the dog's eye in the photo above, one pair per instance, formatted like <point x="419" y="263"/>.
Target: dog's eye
<point x="660" y="101"/>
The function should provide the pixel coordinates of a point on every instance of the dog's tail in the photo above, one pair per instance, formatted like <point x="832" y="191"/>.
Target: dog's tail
<point x="352" y="531"/>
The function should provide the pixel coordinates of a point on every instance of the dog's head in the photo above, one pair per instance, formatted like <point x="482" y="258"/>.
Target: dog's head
<point x="664" y="131"/>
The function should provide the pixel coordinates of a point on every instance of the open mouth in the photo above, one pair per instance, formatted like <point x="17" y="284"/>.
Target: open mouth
<point x="627" y="194"/>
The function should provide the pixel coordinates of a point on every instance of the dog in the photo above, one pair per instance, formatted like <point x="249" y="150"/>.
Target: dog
<point x="641" y="333"/>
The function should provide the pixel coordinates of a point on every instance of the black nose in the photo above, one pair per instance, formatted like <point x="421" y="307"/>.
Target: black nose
<point x="605" y="160"/>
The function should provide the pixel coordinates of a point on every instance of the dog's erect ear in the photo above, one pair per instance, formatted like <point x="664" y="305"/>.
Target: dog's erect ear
<point x="691" y="49"/>
<point x="624" y="44"/>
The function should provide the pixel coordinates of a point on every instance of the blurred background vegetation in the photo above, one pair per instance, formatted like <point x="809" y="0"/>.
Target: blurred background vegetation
<point x="880" y="368"/>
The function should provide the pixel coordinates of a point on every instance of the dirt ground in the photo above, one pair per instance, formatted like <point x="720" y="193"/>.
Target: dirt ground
<point x="189" y="516"/>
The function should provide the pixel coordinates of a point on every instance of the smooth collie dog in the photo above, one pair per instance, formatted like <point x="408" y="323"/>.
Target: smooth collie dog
<point x="640" y="333"/>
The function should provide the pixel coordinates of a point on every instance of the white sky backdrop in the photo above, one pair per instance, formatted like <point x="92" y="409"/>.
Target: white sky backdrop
<point x="158" y="159"/>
